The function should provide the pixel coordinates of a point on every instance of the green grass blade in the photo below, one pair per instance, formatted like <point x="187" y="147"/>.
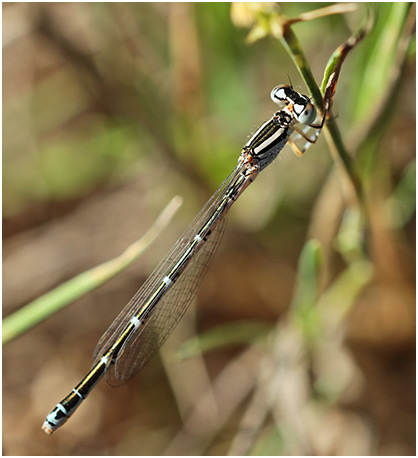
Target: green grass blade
<point x="236" y="333"/>
<point x="402" y="203"/>
<point x="307" y="285"/>
<point x="338" y="299"/>
<point x="48" y="304"/>
<point x="294" y="48"/>
<point x="307" y="290"/>
<point x="378" y="67"/>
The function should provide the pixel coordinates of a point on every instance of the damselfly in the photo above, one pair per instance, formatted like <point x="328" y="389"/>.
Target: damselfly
<point x="150" y="316"/>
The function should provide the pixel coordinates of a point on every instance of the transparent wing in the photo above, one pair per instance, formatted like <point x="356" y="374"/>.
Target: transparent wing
<point x="141" y="347"/>
<point x="122" y="320"/>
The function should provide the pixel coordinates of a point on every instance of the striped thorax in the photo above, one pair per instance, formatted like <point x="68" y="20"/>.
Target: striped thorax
<point x="271" y="137"/>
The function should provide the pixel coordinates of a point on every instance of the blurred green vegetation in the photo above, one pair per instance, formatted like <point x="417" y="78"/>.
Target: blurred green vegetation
<point x="83" y="131"/>
<point x="98" y="94"/>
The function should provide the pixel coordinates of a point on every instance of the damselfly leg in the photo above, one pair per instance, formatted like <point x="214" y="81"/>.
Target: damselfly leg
<point x="302" y="133"/>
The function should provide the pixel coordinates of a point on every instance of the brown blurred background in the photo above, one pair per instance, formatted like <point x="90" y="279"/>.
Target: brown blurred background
<point x="109" y="110"/>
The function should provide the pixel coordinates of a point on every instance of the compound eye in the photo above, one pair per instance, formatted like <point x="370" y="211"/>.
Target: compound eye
<point x="307" y="114"/>
<point x="278" y="94"/>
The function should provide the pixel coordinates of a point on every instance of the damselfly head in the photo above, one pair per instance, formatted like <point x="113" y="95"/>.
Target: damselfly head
<point x="301" y="106"/>
<point x="305" y="112"/>
<point x="282" y="94"/>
